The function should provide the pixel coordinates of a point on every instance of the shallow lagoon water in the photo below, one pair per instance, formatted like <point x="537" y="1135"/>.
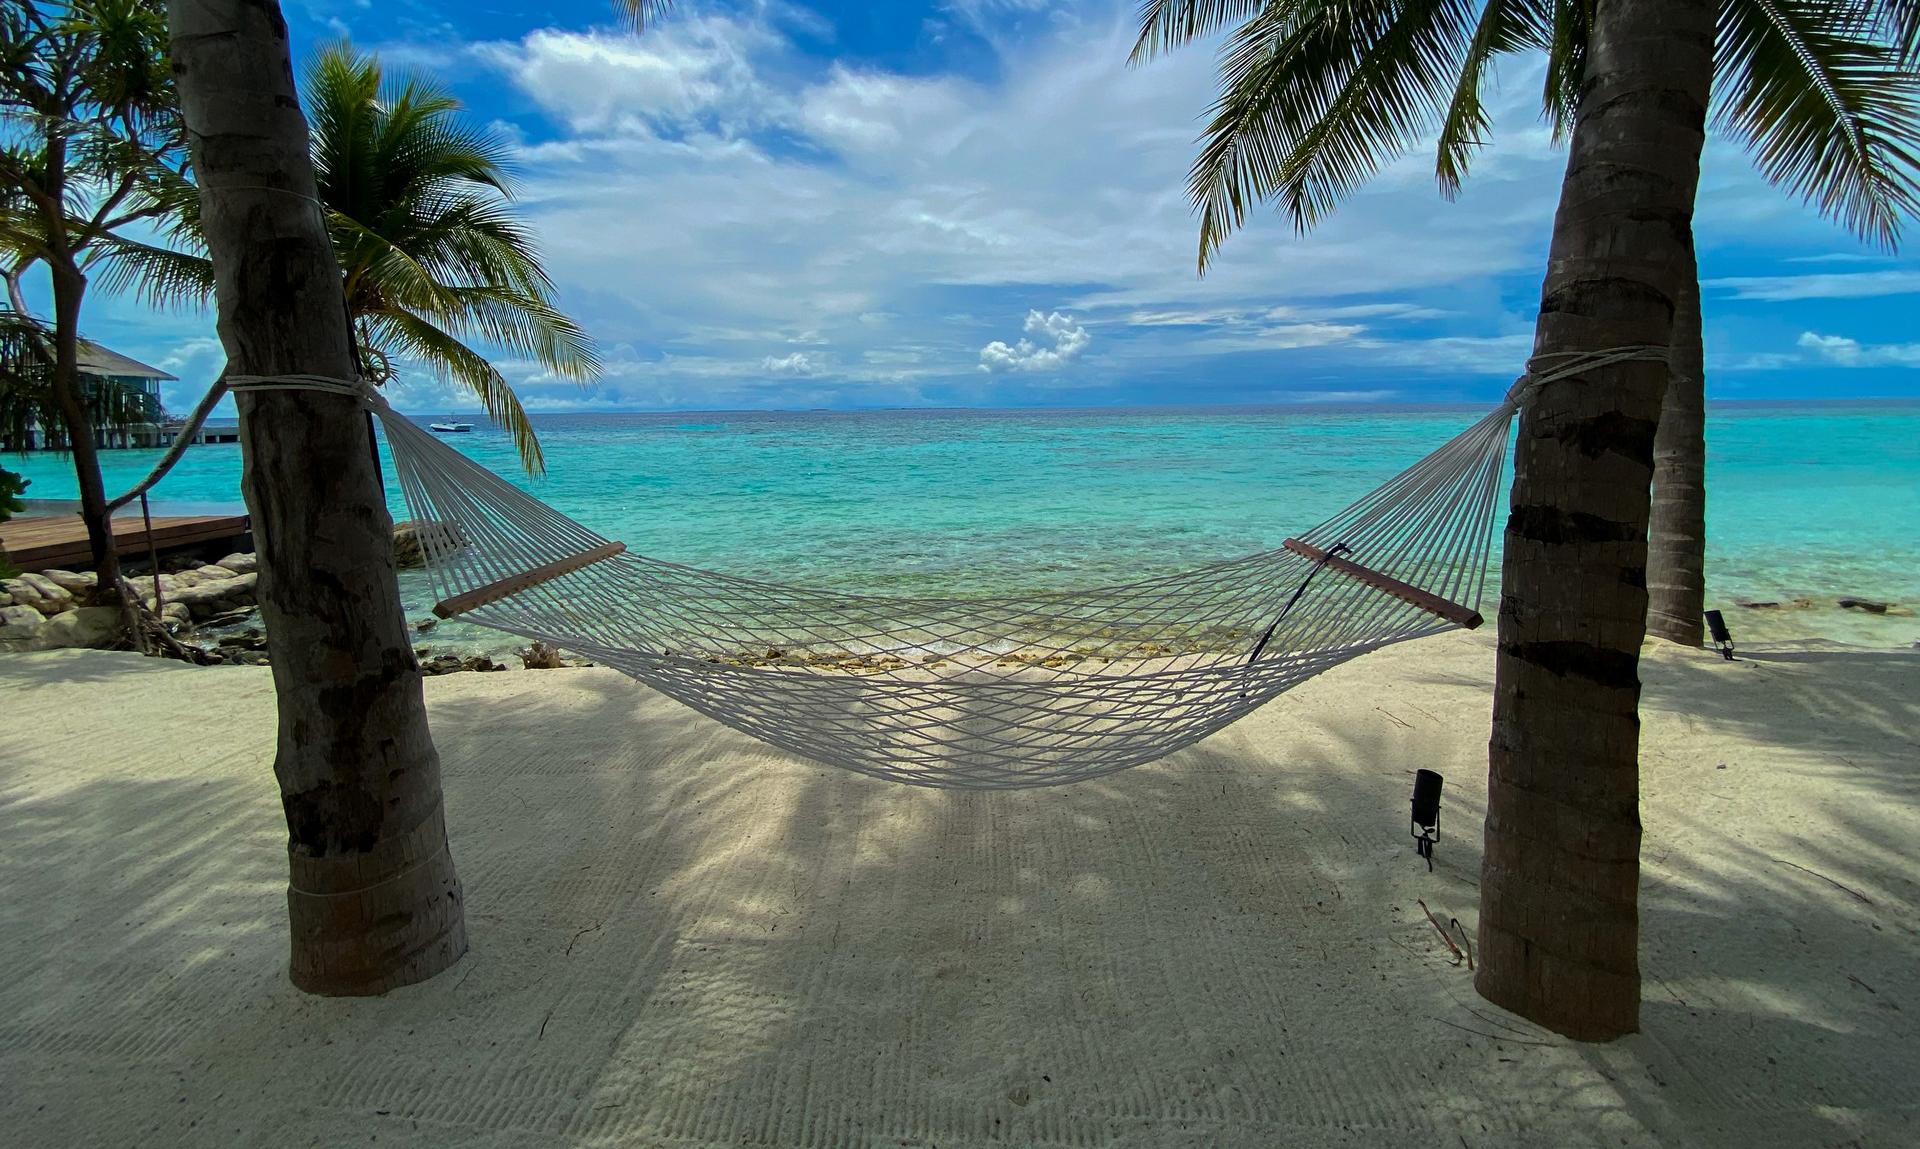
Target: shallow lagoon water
<point x="1808" y="500"/>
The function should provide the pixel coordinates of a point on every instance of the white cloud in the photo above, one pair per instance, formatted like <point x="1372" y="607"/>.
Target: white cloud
<point x="683" y="74"/>
<point x="1064" y="340"/>
<point x="1845" y="352"/>
<point x="715" y="198"/>
<point x="875" y="209"/>
<point x="1836" y="285"/>
<point x="798" y="363"/>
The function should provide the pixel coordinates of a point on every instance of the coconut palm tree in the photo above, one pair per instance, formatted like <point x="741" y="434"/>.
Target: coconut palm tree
<point x="87" y="126"/>
<point x="373" y="898"/>
<point x="433" y="258"/>
<point x="1316" y="97"/>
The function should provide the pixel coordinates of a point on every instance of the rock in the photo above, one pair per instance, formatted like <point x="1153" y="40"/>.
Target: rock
<point x="210" y="571"/>
<point x="239" y="563"/>
<point x="1865" y="604"/>
<point x="540" y="656"/>
<point x="176" y="612"/>
<point x="426" y="624"/>
<point x="53" y="598"/>
<point x="20" y="627"/>
<point x="180" y="580"/>
<point x="76" y="583"/>
<point x="1756" y="605"/>
<point x="90" y="627"/>
<point x="5" y="599"/>
<point x="216" y="596"/>
<point x="453" y="664"/>
<point x="410" y="538"/>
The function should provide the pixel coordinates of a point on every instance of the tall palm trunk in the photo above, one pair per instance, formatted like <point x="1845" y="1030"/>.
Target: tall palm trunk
<point x="1559" y="924"/>
<point x="373" y="898"/>
<point x="69" y="289"/>
<point x="1677" y="535"/>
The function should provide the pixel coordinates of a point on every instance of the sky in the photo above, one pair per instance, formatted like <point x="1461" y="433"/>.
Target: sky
<point x="768" y="204"/>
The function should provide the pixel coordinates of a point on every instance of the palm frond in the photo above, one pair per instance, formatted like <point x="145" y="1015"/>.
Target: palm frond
<point x="639" y="12"/>
<point x="525" y="324"/>
<point x="402" y="335"/>
<point x="162" y="278"/>
<point x="1898" y="24"/>
<point x="1169" y="24"/>
<point x="1826" y="108"/>
<point x="1569" y="33"/>
<point x="1505" y="26"/>
<point x="1316" y="99"/>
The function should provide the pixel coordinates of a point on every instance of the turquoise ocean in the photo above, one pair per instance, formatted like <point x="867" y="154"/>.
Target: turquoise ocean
<point x="1811" y="501"/>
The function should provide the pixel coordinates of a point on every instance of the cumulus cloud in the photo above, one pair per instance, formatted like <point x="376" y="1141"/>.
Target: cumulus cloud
<point x="686" y="74"/>
<point x="721" y="187"/>
<point x="1845" y="352"/>
<point x="1062" y="341"/>
<point x="798" y="363"/>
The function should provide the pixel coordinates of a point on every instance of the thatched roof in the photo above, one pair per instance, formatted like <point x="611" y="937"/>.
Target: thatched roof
<point x="97" y="360"/>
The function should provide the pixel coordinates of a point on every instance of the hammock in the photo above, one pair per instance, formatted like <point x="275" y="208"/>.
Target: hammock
<point x="1039" y="689"/>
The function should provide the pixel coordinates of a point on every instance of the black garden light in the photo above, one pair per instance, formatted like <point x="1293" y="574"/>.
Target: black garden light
<point x="1426" y="813"/>
<point x="1722" y="637"/>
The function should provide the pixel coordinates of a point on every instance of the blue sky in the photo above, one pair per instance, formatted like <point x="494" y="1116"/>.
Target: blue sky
<point x="971" y="203"/>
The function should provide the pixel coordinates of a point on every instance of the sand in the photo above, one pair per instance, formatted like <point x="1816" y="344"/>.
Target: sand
<point x="682" y="938"/>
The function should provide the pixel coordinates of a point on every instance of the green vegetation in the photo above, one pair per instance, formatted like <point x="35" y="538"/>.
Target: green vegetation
<point x="12" y="486"/>
<point x="432" y="257"/>
<point x="91" y="144"/>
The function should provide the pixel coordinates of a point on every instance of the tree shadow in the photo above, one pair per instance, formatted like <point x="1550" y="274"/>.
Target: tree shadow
<point x="681" y="936"/>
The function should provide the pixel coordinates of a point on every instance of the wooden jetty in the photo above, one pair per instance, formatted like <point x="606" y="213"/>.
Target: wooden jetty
<point x="59" y="542"/>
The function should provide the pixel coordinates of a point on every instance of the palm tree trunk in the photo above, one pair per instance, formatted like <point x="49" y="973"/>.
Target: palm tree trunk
<point x="373" y="899"/>
<point x="1559" y="923"/>
<point x="1677" y="536"/>
<point x="69" y="289"/>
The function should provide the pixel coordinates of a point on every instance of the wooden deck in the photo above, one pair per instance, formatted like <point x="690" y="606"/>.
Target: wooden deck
<point x="37" y="543"/>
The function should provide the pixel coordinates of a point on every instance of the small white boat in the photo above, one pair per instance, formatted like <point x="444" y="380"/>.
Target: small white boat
<point x="451" y="427"/>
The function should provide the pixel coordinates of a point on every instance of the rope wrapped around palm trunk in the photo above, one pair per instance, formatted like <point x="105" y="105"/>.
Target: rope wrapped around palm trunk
<point x="1036" y="689"/>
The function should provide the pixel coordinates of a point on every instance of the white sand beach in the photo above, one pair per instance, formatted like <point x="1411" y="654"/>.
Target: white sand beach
<point x="682" y="938"/>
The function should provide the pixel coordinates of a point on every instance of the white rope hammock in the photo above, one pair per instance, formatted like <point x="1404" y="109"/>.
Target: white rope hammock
<point x="996" y="691"/>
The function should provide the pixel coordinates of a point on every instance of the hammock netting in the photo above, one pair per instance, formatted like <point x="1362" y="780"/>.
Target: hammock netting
<point x="1038" y="689"/>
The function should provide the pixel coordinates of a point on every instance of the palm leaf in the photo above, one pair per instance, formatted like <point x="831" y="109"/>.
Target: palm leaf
<point x="160" y="277"/>
<point x="1828" y="111"/>
<point x="641" y="11"/>
<point x="1169" y="24"/>
<point x="1505" y="26"/>
<point x="1316" y="98"/>
<point x="400" y="334"/>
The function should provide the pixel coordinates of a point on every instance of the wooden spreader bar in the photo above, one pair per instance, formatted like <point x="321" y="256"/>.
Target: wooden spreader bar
<point x="546" y="572"/>
<point x="1453" y="612"/>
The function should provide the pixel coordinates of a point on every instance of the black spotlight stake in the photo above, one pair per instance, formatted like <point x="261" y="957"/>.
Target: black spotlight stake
<point x="1426" y="813"/>
<point x="1722" y="637"/>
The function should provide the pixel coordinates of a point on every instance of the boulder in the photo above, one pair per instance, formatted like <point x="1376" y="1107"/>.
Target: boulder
<point x="410" y="538"/>
<point x="180" y="580"/>
<point x="52" y="598"/>
<point x="211" y="597"/>
<point x="20" y="627"/>
<point x="79" y="584"/>
<point x="91" y="627"/>
<point x="239" y="564"/>
<point x="176" y="612"/>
